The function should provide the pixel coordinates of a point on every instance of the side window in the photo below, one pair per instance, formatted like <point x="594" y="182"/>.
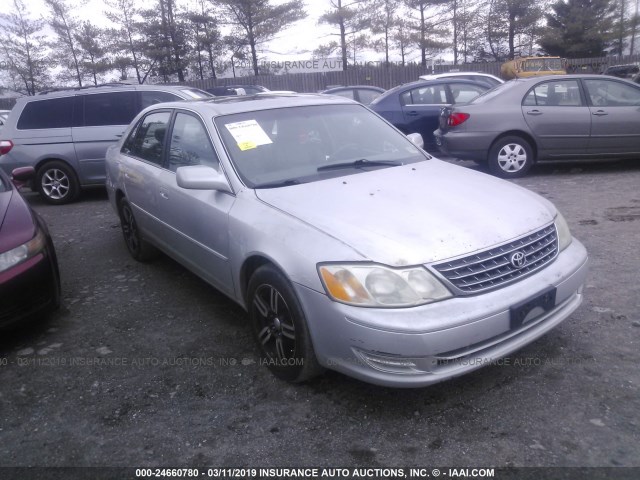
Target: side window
<point x="463" y="93"/>
<point x="148" y="98"/>
<point x="52" y="113"/>
<point x="146" y="140"/>
<point x="607" y="93"/>
<point x="190" y="144"/>
<point x="431" y="95"/>
<point x="563" y="93"/>
<point x="101" y="109"/>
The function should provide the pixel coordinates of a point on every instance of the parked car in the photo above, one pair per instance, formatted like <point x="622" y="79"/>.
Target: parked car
<point x="478" y="77"/>
<point x="226" y="90"/>
<point x="64" y="134"/>
<point x="415" y="107"/>
<point x="29" y="276"/>
<point x="538" y="119"/>
<point x="364" y="94"/>
<point x="622" y="71"/>
<point x="337" y="234"/>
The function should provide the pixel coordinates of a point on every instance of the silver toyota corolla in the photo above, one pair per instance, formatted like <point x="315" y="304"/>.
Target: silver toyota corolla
<point x="349" y="247"/>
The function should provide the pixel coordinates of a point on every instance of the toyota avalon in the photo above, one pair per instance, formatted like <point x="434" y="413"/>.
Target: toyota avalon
<point x="337" y="234"/>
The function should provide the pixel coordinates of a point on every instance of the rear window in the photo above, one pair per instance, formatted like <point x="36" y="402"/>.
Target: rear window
<point x="51" y="113"/>
<point x="494" y="92"/>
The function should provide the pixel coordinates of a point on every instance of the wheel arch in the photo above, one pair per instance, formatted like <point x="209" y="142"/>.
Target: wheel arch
<point x="517" y="133"/>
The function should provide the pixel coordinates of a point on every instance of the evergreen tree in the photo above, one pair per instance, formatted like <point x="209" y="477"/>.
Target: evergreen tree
<point x="427" y="26"/>
<point x="125" y="39"/>
<point x="579" y="28"/>
<point x="351" y="18"/>
<point x="91" y="42"/>
<point x="383" y="20"/>
<point x="65" y="47"/>
<point x="22" y="46"/>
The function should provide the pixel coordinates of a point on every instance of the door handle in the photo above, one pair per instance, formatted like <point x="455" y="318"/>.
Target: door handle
<point x="534" y="112"/>
<point x="599" y="113"/>
<point x="164" y="195"/>
<point x="412" y="113"/>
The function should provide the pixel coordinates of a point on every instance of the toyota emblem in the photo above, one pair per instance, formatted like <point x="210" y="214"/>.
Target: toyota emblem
<point x="518" y="259"/>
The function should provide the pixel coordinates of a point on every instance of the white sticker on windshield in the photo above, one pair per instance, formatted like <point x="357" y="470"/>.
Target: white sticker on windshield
<point x="248" y="134"/>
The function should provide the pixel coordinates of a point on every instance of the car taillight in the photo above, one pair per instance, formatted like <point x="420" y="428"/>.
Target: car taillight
<point x="5" y="146"/>
<point x="457" y="118"/>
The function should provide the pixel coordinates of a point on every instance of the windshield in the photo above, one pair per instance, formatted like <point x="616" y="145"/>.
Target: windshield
<point x="286" y="146"/>
<point x="542" y="65"/>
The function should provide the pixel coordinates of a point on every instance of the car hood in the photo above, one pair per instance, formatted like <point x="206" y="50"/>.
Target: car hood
<point x="414" y="214"/>
<point x="16" y="222"/>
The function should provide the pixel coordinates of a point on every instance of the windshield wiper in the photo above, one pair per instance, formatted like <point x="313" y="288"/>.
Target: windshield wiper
<point x="363" y="162"/>
<point x="280" y="183"/>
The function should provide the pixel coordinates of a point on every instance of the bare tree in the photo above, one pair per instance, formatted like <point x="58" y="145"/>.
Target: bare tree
<point x="260" y="21"/>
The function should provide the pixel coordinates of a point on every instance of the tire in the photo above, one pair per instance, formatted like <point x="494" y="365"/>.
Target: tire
<point x="138" y="247"/>
<point x="57" y="183"/>
<point x="510" y="157"/>
<point x="280" y="327"/>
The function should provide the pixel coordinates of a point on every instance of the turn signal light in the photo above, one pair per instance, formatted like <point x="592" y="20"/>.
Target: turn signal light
<point x="457" y="118"/>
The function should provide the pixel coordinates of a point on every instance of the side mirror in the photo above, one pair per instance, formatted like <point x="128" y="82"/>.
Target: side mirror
<point x="201" y="177"/>
<point x="22" y="175"/>
<point x="416" y="139"/>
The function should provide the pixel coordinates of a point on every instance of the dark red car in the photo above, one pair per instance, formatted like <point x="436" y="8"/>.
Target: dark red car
<point x="29" y="275"/>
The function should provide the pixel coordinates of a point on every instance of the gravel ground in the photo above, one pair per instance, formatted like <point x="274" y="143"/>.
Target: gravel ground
<point x="146" y="365"/>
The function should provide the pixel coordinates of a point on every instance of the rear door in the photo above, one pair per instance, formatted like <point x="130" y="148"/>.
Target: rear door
<point x="421" y="110"/>
<point x="558" y="117"/>
<point x="103" y="118"/>
<point x="142" y="165"/>
<point x="615" y="116"/>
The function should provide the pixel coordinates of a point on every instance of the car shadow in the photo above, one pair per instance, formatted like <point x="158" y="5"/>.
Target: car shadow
<point x="562" y="167"/>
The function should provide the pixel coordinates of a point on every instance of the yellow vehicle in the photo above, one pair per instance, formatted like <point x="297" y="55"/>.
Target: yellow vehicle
<point x="533" y="66"/>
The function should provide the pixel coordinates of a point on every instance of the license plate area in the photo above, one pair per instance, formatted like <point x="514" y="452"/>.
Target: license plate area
<point x="518" y="313"/>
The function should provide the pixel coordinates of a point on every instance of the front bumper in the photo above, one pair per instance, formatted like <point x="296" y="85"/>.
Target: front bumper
<point x="414" y="347"/>
<point x="29" y="289"/>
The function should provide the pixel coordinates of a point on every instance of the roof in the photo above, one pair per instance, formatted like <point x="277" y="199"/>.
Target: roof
<point x="108" y="87"/>
<point x="262" y="101"/>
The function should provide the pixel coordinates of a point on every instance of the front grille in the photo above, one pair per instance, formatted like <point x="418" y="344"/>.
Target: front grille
<point x="493" y="268"/>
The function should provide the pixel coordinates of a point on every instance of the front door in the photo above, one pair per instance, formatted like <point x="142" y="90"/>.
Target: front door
<point x="558" y="117"/>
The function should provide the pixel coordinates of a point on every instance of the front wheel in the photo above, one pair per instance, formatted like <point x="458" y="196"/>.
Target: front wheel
<point x="510" y="157"/>
<point x="280" y="327"/>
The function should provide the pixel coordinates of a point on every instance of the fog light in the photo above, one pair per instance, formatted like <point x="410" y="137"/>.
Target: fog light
<point x="389" y="363"/>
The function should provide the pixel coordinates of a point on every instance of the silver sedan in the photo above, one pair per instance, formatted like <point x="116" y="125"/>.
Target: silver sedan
<point x="560" y="117"/>
<point x="338" y="236"/>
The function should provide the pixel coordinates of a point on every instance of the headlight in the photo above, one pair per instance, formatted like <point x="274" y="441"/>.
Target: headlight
<point x="564" y="235"/>
<point x="23" y="253"/>
<point x="379" y="286"/>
